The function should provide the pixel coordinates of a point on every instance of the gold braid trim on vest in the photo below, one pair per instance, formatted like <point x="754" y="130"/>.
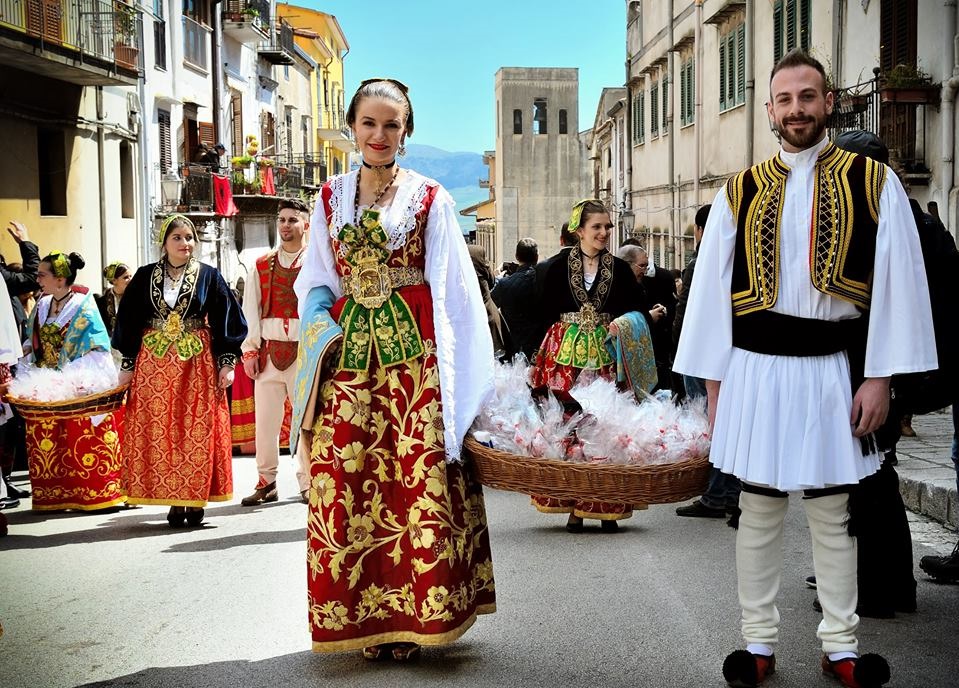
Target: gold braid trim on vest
<point x="761" y="233"/>
<point x="836" y="204"/>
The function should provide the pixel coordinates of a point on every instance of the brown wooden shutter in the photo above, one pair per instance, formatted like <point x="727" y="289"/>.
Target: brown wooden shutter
<point x="897" y="33"/>
<point x="207" y="133"/>
<point x="45" y="20"/>
<point x="236" y="113"/>
<point x="166" y="158"/>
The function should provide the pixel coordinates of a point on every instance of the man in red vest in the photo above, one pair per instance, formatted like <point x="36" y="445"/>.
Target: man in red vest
<point x="270" y="348"/>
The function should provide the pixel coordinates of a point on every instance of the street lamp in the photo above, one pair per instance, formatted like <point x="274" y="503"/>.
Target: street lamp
<point x="628" y="220"/>
<point x="170" y="185"/>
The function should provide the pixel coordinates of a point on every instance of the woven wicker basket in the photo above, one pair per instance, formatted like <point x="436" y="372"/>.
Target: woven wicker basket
<point x="654" y="484"/>
<point x="92" y="405"/>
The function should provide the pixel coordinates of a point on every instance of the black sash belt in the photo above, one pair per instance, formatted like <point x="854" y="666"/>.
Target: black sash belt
<point x="766" y="332"/>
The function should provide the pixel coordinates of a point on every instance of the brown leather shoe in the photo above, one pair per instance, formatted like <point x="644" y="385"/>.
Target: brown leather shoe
<point x="261" y="495"/>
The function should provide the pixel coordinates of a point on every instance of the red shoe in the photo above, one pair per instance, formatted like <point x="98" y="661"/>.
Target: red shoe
<point x="868" y="671"/>
<point x="743" y="669"/>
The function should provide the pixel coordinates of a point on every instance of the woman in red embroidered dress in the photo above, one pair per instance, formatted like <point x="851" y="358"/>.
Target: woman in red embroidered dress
<point x="398" y="550"/>
<point x="587" y="295"/>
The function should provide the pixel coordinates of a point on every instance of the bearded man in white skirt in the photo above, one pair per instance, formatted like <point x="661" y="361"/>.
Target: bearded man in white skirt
<point x="809" y="294"/>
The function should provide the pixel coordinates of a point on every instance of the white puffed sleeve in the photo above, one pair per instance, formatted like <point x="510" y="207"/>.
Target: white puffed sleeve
<point x="464" y="349"/>
<point x="319" y="266"/>
<point x="901" y="335"/>
<point x="707" y="335"/>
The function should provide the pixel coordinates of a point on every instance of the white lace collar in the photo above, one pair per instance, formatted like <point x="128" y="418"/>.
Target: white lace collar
<point x="399" y="218"/>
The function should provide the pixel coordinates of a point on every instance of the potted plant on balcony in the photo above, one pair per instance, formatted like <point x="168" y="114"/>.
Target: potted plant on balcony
<point x="125" y="50"/>
<point x="250" y="14"/>
<point x="907" y="83"/>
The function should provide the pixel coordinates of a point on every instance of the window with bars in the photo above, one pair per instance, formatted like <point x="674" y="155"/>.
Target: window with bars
<point x="166" y="149"/>
<point x="687" y="92"/>
<point x="791" y="26"/>
<point x="732" y="68"/>
<point x="654" y="110"/>
<point x="639" y="118"/>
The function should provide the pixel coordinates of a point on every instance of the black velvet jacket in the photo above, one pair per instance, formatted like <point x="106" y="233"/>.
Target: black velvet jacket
<point x="204" y="295"/>
<point x="615" y="288"/>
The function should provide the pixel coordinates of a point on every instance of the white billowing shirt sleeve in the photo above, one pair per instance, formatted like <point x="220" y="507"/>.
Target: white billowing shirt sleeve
<point x="901" y="335"/>
<point x="319" y="266"/>
<point x="251" y="310"/>
<point x="707" y="335"/>
<point x="464" y="349"/>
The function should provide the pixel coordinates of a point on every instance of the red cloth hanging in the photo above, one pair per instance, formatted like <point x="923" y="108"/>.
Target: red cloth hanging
<point x="223" y="196"/>
<point x="269" y="187"/>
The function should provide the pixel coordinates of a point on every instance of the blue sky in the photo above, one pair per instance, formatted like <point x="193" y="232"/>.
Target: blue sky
<point x="448" y="53"/>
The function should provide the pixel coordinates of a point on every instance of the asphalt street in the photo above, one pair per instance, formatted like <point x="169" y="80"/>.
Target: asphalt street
<point x="123" y="600"/>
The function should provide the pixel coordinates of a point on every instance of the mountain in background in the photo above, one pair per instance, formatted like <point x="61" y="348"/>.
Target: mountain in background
<point x="459" y="173"/>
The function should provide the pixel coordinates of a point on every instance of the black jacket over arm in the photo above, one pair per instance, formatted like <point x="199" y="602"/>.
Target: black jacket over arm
<point x="213" y="301"/>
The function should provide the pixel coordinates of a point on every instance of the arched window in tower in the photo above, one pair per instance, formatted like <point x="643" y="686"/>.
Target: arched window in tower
<point x="517" y="121"/>
<point x="539" y="116"/>
<point x="563" y="128"/>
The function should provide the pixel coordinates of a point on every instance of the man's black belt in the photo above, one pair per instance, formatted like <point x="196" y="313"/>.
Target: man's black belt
<point x="766" y="332"/>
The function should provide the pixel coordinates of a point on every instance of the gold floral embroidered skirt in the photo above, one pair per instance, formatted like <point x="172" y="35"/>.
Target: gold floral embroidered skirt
<point x="398" y="549"/>
<point x="176" y="447"/>
<point x="75" y="463"/>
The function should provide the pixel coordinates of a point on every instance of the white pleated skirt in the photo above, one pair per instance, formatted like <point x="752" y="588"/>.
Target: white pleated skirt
<point x="783" y="422"/>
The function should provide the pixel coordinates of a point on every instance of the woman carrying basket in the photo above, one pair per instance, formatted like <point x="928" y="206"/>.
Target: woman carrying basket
<point x="75" y="461"/>
<point x="395" y="361"/>
<point x="179" y="329"/>
<point x="593" y="307"/>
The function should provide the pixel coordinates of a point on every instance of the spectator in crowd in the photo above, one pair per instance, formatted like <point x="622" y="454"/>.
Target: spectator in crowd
<point x="722" y="494"/>
<point x="658" y="285"/>
<point x="117" y="275"/>
<point x="515" y="296"/>
<point x="24" y="280"/>
<point x="486" y="281"/>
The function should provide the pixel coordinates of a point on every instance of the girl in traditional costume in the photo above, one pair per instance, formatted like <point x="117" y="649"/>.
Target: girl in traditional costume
<point x="118" y="275"/>
<point x="179" y="329"/>
<point x="594" y="308"/>
<point x="395" y="360"/>
<point x="74" y="462"/>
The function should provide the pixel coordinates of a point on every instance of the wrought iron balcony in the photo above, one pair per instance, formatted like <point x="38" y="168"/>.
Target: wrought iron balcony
<point x="279" y="48"/>
<point x="898" y="124"/>
<point x="90" y="42"/>
<point x="247" y="21"/>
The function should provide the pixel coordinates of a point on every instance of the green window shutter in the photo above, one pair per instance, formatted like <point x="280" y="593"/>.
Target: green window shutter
<point x="778" y="31"/>
<point x="722" y="73"/>
<point x="692" y="90"/>
<point x="731" y="70"/>
<point x="665" y="105"/>
<point x="804" y="26"/>
<point x="683" y="94"/>
<point x="642" y="117"/>
<point x="741" y="64"/>
<point x="792" y="25"/>
<point x="654" y="109"/>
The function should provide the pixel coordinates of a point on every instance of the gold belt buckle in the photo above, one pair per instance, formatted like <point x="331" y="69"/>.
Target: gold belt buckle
<point x="588" y="317"/>
<point x="371" y="285"/>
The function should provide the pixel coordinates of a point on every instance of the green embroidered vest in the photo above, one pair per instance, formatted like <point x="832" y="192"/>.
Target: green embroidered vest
<point x="845" y="219"/>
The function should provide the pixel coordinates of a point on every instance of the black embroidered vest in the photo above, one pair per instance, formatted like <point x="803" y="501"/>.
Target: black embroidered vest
<point x="845" y="219"/>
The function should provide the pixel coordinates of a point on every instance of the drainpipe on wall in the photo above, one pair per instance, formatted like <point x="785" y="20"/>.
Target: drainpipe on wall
<point x="671" y="118"/>
<point x="101" y="172"/>
<point x="698" y="88"/>
<point x="950" y="87"/>
<point x="750" y="85"/>
<point x="628" y="191"/>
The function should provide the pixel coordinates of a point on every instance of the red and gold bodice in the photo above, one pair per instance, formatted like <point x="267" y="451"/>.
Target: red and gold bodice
<point x="277" y="298"/>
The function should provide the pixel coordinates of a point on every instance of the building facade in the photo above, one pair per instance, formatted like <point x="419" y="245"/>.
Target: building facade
<point x="71" y="129"/>
<point x="484" y="212"/>
<point x="540" y="170"/>
<point x="697" y="86"/>
<point x="606" y="143"/>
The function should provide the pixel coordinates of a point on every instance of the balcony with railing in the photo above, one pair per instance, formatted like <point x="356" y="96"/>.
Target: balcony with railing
<point x="247" y="21"/>
<point x="334" y="130"/>
<point x="898" y="120"/>
<point x="279" y="48"/>
<point x="88" y="42"/>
